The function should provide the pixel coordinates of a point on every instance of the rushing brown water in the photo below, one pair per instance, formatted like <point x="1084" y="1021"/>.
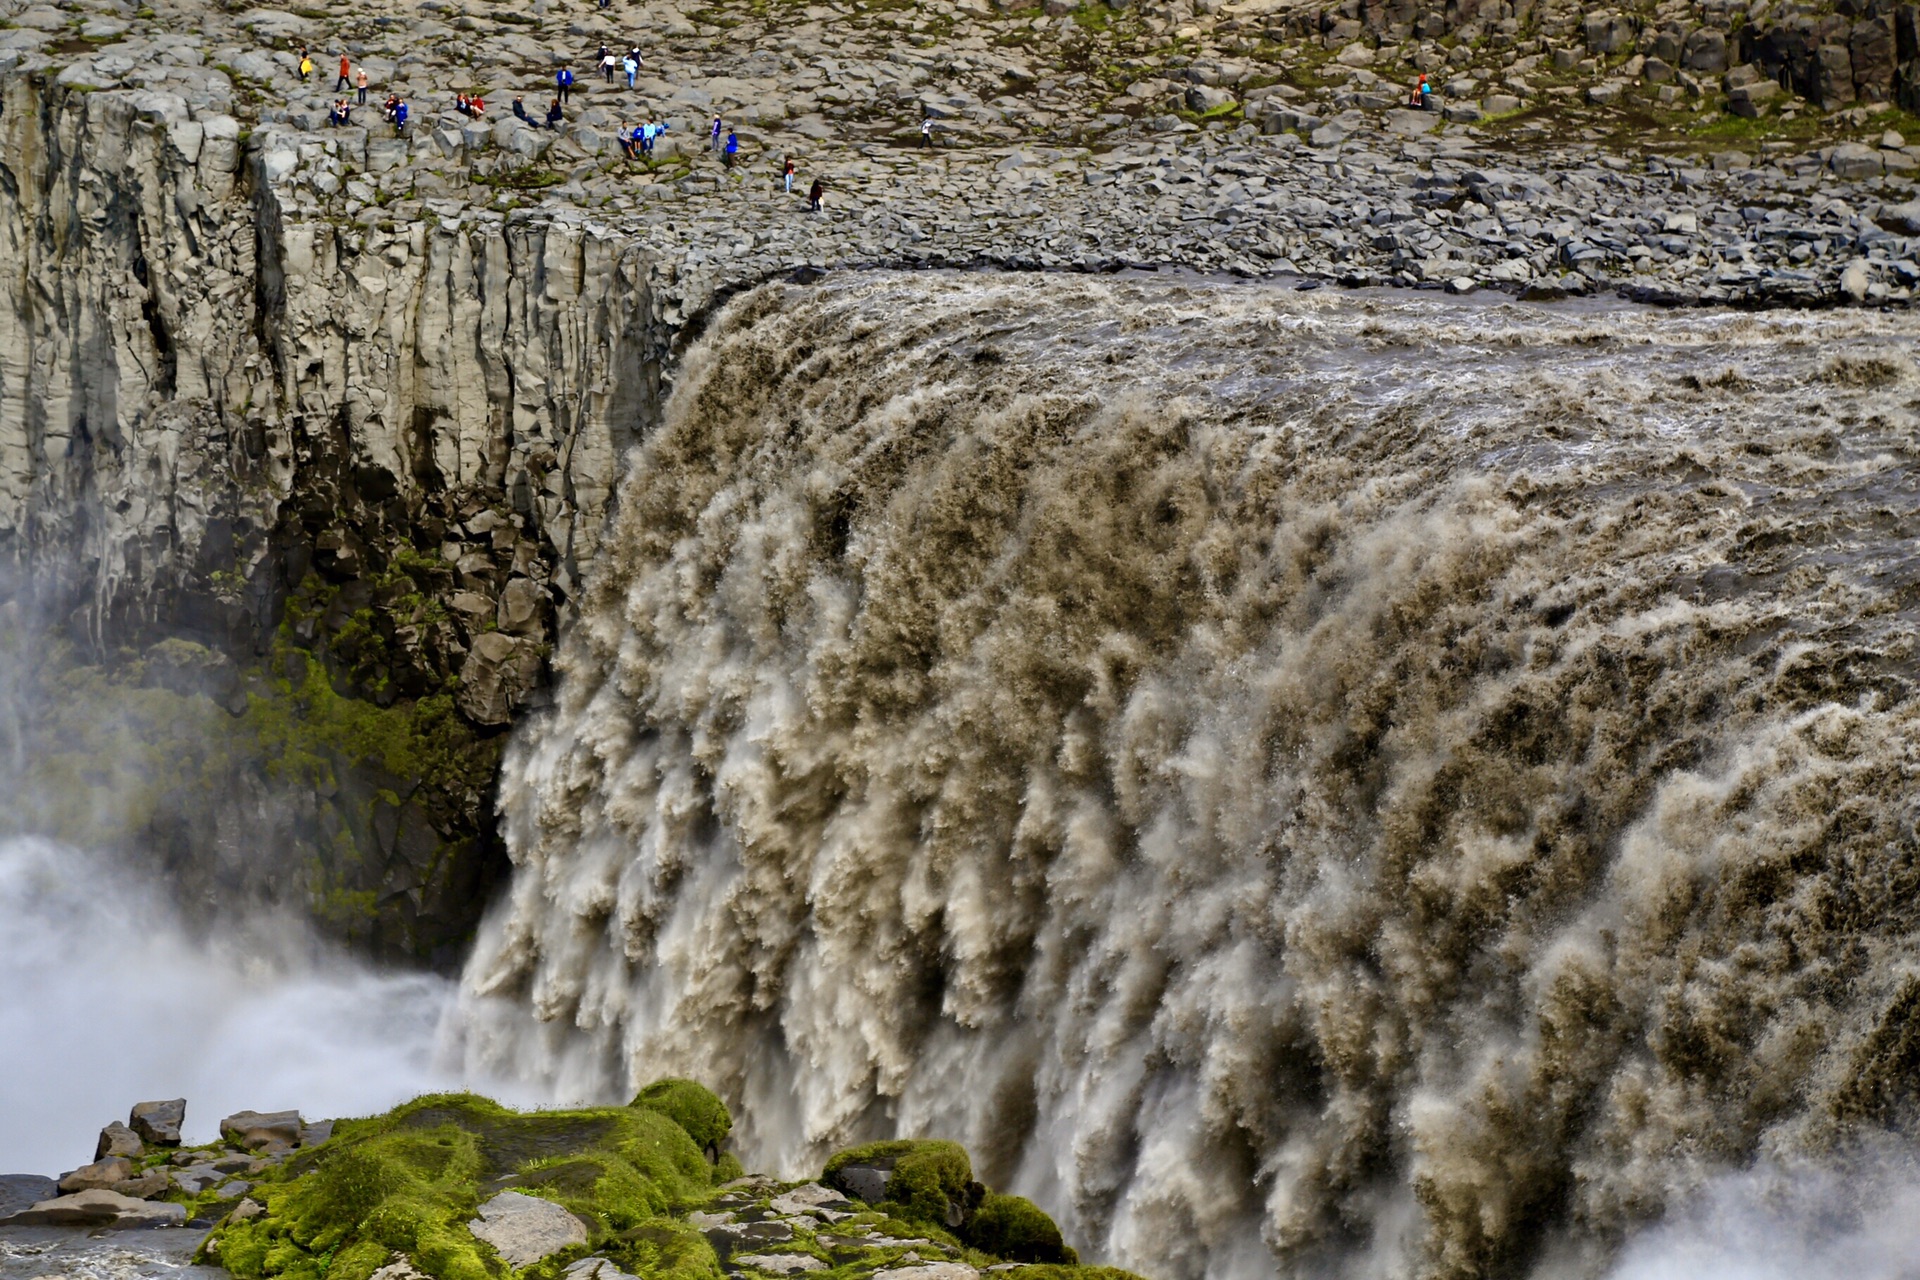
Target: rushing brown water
<point x="1332" y="784"/>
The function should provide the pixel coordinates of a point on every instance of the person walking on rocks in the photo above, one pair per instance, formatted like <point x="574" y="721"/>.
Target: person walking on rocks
<point x="608" y="63"/>
<point x="817" y="196"/>
<point x="789" y="175"/>
<point x="733" y="148"/>
<point x="346" y="79"/>
<point x="631" y="66"/>
<point x="563" y="80"/>
<point x="714" y="142"/>
<point x="926" y="132"/>
<point x="360" y="83"/>
<point x="306" y="65"/>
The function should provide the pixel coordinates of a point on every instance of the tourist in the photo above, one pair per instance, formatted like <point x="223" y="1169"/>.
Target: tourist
<point x="713" y="143"/>
<point x="563" y="80"/>
<point x="400" y="118"/>
<point x="477" y="107"/>
<point x="520" y="109"/>
<point x="631" y="67"/>
<point x="608" y="63"/>
<point x="788" y="173"/>
<point x="733" y="148"/>
<point x="346" y="78"/>
<point x="649" y="132"/>
<point x="926" y="132"/>
<point x="306" y="65"/>
<point x="630" y="143"/>
<point x="388" y="107"/>
<point x="360" y="82"/>
<point x="817" y="196"/>
<point x="554" y="116"/>
<point x="338" y="116"/>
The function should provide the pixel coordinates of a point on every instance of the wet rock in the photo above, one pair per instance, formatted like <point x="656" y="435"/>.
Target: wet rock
<point x="262" y="1130"/>
<point x="118" y="1140"/>
<point x="159" y="1122"/>
<point x="524" y="1229"/>
<point x="499" y="671"/>
<point x="22" y="1190"/>
<point x="929" y="1271"/>
<point x="100" y="1208"/>
<point x="100" y="1174"/>
<point x="867" y="1181"/>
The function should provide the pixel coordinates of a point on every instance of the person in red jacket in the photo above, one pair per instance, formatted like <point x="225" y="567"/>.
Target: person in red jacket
<point x="346" y="75"/>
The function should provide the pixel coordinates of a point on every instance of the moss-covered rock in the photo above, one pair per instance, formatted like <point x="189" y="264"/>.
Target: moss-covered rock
<point x="1018" y="1230"/>
<point x="693" y="1107"/>
<point x="927" y="1181"/>
<point x="409" y="1182"/>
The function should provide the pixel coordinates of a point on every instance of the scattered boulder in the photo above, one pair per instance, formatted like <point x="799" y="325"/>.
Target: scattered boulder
<point x="99" y="1174"/>
<point x="1901" y="218"/>
<point x="524" y="1229"/>
<point x="100" y="1208"/>
<point x="159" y="1122"/>
<point x="812" y="1200"/>
<point x="154" y="1182"/>
<point x="118" y="1140"/>
<point x="1608" y="32"/>
<point x="263" y="1130"/>
<point x="1749" y="101"/>
<point x="1852" y="160"/>
<point x="197" y="1178"/>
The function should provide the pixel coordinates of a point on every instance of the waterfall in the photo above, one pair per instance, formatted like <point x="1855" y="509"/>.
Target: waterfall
<point x="1344" y="784"/>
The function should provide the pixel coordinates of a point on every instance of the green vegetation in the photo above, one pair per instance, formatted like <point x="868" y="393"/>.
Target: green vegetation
<point x="926" y="1178"/>
<point x="1015" y="1228"/>
<point x="694" y="1107"/>
<point x="409" y="1182"/>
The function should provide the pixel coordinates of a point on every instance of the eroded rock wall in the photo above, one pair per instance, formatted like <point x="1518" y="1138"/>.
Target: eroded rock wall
<point x="367" y="453"/>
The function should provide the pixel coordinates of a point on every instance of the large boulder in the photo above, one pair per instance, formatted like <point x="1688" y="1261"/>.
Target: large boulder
<point x="692" y="1106"/>
<point x="524" y="1229"/>
<point x="263" y="1130"/>
<point x="159" y="1122"/>
<point x="1832" y="76"/>
<point x="1018" y="1230"/>
<point x="118" y="1140"/>
<point x="918" y="1181"/>
<point x="1705" y="51"/>
<point x="1750" y="101"/>
<point x="1851" y="160"/>
<point x="1608" y="32"/>
<point x="1870" y="47"/>
<point x="100" y="1174"/>
<point x="100" y="1209"/>
<point x="499" y="671"/>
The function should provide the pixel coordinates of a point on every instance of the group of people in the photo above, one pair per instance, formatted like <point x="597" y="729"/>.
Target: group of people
<point x="637" y="142"/>
<point x="629" y="62"/>
<point x="1421" y="96"/>
<point x="554" y="115"/>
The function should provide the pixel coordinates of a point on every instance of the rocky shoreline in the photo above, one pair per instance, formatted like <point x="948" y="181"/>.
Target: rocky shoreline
<point x="456" y="1187"/>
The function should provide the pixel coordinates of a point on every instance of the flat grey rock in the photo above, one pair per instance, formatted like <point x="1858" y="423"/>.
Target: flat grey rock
<point x="524" y="1229"/>
<point x="100" y="1209"/>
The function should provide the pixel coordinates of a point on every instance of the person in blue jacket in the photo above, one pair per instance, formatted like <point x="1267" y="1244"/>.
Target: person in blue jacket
<point x="563" y="79"/>
<point x="733" y="148"/>
<point x="400" y="117"/>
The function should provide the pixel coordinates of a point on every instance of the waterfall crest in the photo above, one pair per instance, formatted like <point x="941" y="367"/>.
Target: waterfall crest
<point x="1357" y="784"/>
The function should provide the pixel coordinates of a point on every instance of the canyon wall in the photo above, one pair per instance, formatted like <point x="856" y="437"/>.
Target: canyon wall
<point x="246" y="453"/>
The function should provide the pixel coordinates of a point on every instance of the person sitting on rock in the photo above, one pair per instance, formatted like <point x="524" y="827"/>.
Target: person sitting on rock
<point x="520" y="109"/>
<point x="461" y="104"/>
<point x="554" y="117"/>
<point x="630" y="143"/>
<point x="477" y="107"/>
<point x="391" y="105"/>
<point x="400" y="118"/>
<point x="1426" y="92"/>
<point x="338" y="117"/>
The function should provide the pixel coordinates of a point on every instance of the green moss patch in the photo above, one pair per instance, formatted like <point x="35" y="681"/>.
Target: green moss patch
<point x="408" y="1183"/>
<point x="695" y="1108"/>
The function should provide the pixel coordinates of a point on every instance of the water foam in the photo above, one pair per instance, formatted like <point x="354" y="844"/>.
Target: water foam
<point x="1356" y="786"/>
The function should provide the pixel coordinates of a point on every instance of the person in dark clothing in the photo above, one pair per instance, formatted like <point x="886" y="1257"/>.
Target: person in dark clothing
<point x="816" y="195"/>
<point x="400" y="118"/>
<point x="520" y="109"/>
<point x="554" y="117"/>
<point x="563" y="80"/>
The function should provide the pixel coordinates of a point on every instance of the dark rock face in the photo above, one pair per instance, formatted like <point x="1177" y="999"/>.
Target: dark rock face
<point x="159" y="1122"/>
<point x="19" y="1191"/>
